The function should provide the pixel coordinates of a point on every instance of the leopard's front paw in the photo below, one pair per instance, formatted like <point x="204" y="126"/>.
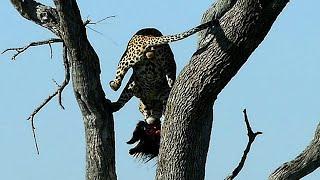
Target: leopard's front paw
<point x="114" y="86"/>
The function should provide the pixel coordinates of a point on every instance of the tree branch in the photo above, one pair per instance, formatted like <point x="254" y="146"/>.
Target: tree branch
<point x="57" y="92"/>
<point x="89" y="21"/>
<point x="304" y="164"/>
<point x="20" y="50"/>
<point x="61" y="87"/>
<point x="215" y="11"/>
<point x="66" y="73"/>
<point x="186" y="131"/>
<point x="251" y="136"/>
<point x="40" y="14"/>
<point x="65" y="22"/>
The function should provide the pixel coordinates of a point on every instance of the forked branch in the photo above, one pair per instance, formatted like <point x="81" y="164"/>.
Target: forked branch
<point x="251" y="135"/>
<point x="20" y="50"/>
<point x="57" y="92"/>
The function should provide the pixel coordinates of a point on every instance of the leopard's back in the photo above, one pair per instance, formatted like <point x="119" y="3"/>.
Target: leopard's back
<point x="149" y="80"/>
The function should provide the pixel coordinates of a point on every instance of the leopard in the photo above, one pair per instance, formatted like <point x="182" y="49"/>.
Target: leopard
<point x="143" y="47"/>
<point x="152" y="80"/>
<point x="154" y="72"/>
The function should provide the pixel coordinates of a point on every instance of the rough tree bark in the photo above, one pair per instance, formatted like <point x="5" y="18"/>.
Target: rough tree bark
<point x="66" y="23"/>
<point x="85" y="71"/>
<point x="186" y="130"/>
<point x="303" y="164"/>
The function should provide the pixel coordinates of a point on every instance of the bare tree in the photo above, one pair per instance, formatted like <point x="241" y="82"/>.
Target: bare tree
<point x="186" y="132"/>
<point x="221" y="53"/>
<point x="66" y="23"/>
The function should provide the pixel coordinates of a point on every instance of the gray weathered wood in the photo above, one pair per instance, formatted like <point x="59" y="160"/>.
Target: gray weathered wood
<point x="85" y="71"/>
<point x="40" y="14"/>
<point x="187" y="128"/>
<point x="65" y="22"/>
<point x="304" y="164"/>
<point x="186" y="132"/>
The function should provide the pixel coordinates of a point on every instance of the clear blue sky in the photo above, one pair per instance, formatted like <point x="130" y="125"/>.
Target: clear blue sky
<point x="277" y="86"/>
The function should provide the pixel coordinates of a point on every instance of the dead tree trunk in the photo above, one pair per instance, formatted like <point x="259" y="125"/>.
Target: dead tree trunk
<point x="66" y="23"/>
<point x="85" y="71"/>
<point x="186" y="132"/>
<point x="221" y="53"/>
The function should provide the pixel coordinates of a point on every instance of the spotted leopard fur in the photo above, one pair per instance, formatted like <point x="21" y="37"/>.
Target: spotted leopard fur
<point x="154" y="72"/>
<point x="151" y="80"/>
<point x="142" y="47"/>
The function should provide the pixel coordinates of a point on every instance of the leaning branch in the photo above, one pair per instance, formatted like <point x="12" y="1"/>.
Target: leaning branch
<point x="20" y="50"/>
<point x="304" y="164"/>
<point x="251" y="135"/>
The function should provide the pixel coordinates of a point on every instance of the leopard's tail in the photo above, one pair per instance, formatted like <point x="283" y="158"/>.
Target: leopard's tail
<point x="171" y="38"/>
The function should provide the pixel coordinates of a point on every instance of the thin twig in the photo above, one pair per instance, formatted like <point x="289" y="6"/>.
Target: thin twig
<point x="34" y="135"/>
<point x="95" y="30"/>
<point x="55" y="82"/>
<point x="31" y="118"/>
<point x="51" y="53"/>
<point x="104" y="19"/>
<point x="88" y="21"/>
<point x="251" y="135"/>
<point x="66" y="75"/>
<point x="37" y="43"/>
<point x="57" y="92"/>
